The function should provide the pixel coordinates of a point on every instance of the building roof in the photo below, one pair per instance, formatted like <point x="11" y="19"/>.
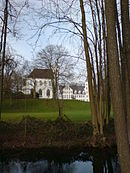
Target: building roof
<point x="77" y="88"/>
<point x="41" y="74"/>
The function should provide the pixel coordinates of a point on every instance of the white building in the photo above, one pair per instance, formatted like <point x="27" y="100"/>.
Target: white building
<point x="40" y="80"/>
<point x="76" y="92"/>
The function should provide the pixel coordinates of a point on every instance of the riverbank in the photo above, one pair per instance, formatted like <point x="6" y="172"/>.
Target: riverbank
<point x="74" y="161"/>
<point x="32" y="133"/>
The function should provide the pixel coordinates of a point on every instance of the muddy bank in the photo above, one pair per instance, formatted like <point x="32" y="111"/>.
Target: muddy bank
<point x="32" y="133"/>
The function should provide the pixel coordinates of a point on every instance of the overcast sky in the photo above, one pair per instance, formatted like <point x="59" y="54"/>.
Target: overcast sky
<point x="26" y="43"/>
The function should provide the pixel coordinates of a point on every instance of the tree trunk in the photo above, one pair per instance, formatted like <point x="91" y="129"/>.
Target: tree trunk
<point x="116" y="89"/>
<point x="4" y="37"/>
<point x="126" y="31"/>
<point x="34" y="89"/>
<point x="89" y="71"/>
<point x="108" y="98"/>
<point x="126" y="54"/>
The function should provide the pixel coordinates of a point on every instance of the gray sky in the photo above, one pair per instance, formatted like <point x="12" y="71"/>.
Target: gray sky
<point x="27" y="44"/>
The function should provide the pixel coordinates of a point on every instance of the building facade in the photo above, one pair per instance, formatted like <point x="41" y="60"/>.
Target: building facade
<point x="76" y="92"/>
<point x="40" y="81"/>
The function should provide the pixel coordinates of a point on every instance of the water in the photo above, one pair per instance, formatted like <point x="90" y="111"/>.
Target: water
<point x="84" y="162"/>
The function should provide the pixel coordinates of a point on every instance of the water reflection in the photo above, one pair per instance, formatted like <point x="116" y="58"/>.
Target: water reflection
<point x="86" y="162"/>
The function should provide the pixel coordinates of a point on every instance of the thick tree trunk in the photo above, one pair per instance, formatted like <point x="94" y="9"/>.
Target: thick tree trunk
<point x="123" y="61"/>
<point x="126" y="54"/>
<point x="116" y="89"/>
<point x="126" y="31"/>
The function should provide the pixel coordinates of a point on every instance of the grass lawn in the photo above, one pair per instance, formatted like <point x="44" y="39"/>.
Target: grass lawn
<point x="44" y="109"/>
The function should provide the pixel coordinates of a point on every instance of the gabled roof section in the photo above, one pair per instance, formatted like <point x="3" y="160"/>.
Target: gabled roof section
<point x="41" y="74"/>
<point x="77" y="88"/>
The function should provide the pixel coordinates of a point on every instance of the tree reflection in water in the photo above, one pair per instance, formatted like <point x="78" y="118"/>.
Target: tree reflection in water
<point x="86" y="162"/>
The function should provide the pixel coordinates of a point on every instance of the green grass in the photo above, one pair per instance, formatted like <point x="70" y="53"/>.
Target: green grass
<point x="44" y="109"/>
<point x="18" y="116"/>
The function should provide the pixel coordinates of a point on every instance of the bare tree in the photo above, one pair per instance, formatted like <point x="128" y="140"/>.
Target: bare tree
<point x="13" y="72"/>
<point x="2" y="50"/>
<point x="8" y="15"/>
<point x="60" y="63"/>
<point x="9" y="69"/>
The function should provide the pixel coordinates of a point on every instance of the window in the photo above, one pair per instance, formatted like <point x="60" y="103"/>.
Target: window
<point x="49" y="83"/>
<point x="40" y="92"/>
<point x="45" y="83"/>
<point x="48" y="93"/>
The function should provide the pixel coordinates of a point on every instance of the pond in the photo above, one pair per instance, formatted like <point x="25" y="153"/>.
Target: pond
<point x="94" y="161"/>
